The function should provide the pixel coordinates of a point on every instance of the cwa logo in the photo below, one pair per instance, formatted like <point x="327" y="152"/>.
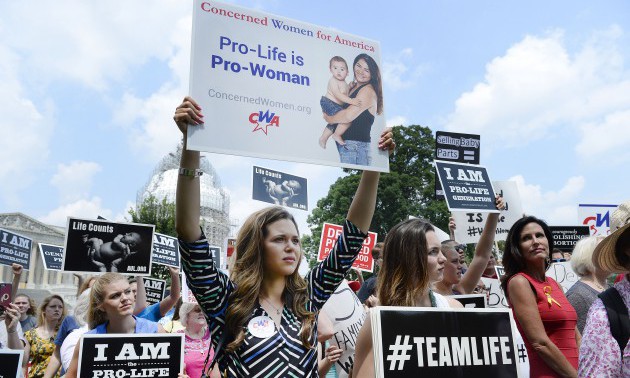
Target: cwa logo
<point x="267" y="118"/>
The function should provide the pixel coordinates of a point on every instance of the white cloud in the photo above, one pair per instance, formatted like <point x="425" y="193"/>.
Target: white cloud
<point x="538" y="88"/>
<point x="400" y="72"/>
<point x="89" y="42"/>
<point x="83" y="208"/>
<point x="556" y="207"/>
<point x="397" y="121"/>
<point x="26" y="131"/>
<point x="74" y="180"/>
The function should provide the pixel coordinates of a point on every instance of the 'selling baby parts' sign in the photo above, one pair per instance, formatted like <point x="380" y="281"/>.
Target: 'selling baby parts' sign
<point x="283" y="89"/>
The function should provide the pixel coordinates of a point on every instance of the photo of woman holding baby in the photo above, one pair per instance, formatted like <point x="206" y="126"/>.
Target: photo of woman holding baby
<point x="351" y="127"/>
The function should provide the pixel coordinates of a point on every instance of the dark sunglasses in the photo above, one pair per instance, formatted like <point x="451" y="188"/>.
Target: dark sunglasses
<point x="558" y="260"/>
<point x="461" y="247"/>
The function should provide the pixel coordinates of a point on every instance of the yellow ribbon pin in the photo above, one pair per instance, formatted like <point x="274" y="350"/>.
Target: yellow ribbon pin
<point x="547" y="291"/>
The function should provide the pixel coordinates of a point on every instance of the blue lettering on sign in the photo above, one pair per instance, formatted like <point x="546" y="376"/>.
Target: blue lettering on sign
<point x="601" y="219"/>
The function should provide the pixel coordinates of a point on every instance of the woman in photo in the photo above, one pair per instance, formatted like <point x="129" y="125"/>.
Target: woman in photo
<point x="368" y="90"/>
<point x="265" y="312"/>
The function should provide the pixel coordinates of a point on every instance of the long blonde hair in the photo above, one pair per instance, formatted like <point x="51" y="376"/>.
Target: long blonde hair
<point x="247" y="275"/>
<point x="404" y="277"/>
<point x="42" y="309"/>
<point x="95" y="315"/>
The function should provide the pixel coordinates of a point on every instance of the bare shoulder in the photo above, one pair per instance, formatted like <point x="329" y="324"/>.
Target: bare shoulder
<point x="454" y="303"/>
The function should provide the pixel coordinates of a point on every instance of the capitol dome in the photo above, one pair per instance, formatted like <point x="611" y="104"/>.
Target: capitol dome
<point x="215" y="200"/>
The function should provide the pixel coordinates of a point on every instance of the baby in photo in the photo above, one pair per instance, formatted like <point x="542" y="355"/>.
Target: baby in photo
<point x="335" y="99"/>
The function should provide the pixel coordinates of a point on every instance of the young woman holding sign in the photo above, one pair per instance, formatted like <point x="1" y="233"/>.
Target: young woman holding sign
<point x="111" y="311"/>
<point x="412" y="262"/>
<point x="265" y="313"/>
<point x="543" y="314"/>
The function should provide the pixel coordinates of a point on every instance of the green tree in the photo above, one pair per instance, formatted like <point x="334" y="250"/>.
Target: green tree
<point x="162" y="215"/>
<point x="409" y="189"/>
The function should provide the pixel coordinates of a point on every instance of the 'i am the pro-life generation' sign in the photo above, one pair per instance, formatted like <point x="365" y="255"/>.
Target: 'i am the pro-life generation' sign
<point x="52" y="256"/>
<point x="270" y="80"/>
<point x="466" y="187"/>
<point x="15" y="248"/>
<point x="165" y="250"/>
<point x="455" y="147"/>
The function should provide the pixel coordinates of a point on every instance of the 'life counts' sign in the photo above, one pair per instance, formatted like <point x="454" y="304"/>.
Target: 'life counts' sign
<point x="279" y="188"/>
<point x="466" y="187"/>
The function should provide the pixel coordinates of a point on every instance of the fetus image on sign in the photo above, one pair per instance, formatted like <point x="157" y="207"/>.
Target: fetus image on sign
<point x="109" y="256"/>
<point x="281" y="193"/>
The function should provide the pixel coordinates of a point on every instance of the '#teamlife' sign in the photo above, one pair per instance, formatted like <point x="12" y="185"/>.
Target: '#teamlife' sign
<point x="432" y="342"/>
<point x="131" y="355"/>
<point x="270" y="80"/>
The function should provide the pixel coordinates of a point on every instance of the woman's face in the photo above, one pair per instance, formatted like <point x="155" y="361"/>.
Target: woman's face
<point x="118" y="299"/>
<point x="54" y="310"/>
<point x="282" y="248"/>
<point x="195" y="316"/>
<point x="533" y="244"/>
<point x="362" y="73"/>
<point x="435" y="258"/>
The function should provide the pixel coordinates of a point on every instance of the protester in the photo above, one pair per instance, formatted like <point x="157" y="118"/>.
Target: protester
<point x="412" y="261"/>
<point x="11" y="336"/>
<point x="39" y="340"/>
<point x="453" y="282"/>
<point x="592" y="280"/>
<point x="490" y="272"/>
<point x="84" y="282"/>
<point x="460" y="248"/>
<point x="111" y="311"/>
<point x="543" y="314"/>
<point x="557" y="256"/>
<point x="601" y="353"/>
<point x="72" y="327"/>
<point x="197" y="342"/>
<point x="369" y="286"/>
<point x="158" y="310"/>
<point x="264" y="286"/>
<point x="27" y="311"/>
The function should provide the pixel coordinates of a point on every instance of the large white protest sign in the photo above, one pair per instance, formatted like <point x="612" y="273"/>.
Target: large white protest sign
<point x="260" y="78"/>
<point x="346" y="313"/>
<point x="470" y="224"/>
<point x="563" y="274"/>
<point x="596" y="217"/>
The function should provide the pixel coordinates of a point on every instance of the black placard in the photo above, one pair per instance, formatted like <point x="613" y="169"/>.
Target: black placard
<point x="457" y="147"/>
<point x="565" y="237"/>
<point x="471" y="300"/>
<point x="104" y="246"/>
<point x="429" y="343"/>
<point x="279" y="188"/>
<point x="131" y="355"/>
<point x="11" y="363"/>
<point x="154" y="289"/>
<point x="216" y="255"/>
<point x="466" y="187"/>
<point x="15" y="248"/>
<point x="52" y="256"/>
<point x="165" y="250"/>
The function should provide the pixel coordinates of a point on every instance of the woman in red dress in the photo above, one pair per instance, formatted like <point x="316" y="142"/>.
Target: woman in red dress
<point x="544" y="316"/>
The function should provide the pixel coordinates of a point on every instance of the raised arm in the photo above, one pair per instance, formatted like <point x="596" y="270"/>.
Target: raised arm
<point x="483" y="251"/>
<point x="167" y="303"/>
<point x="141" y="296"/>
<point x="187" y="197"/>
<point x="17" y="273"/>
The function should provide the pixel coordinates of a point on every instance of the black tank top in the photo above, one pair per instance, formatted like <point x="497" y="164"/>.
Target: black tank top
<point x="361" y="127"/>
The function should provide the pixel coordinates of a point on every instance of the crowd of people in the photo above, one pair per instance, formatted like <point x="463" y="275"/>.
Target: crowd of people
<point x="264" y="318"/>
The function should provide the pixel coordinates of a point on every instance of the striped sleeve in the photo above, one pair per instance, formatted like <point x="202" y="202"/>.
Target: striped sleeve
<point x="326" y="276"/>
<point x="210" y="286"/>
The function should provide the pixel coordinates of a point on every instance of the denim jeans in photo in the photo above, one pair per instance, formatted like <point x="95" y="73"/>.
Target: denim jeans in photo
<point x="355" y="152"/>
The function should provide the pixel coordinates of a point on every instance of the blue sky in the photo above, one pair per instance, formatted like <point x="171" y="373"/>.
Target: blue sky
<point x="88" y="90"/>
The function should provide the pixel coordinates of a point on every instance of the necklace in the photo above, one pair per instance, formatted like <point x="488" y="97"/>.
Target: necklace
<point x="595" y="285"/>
<point x="432" y="299"/>
<point x="278" y="310"/>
